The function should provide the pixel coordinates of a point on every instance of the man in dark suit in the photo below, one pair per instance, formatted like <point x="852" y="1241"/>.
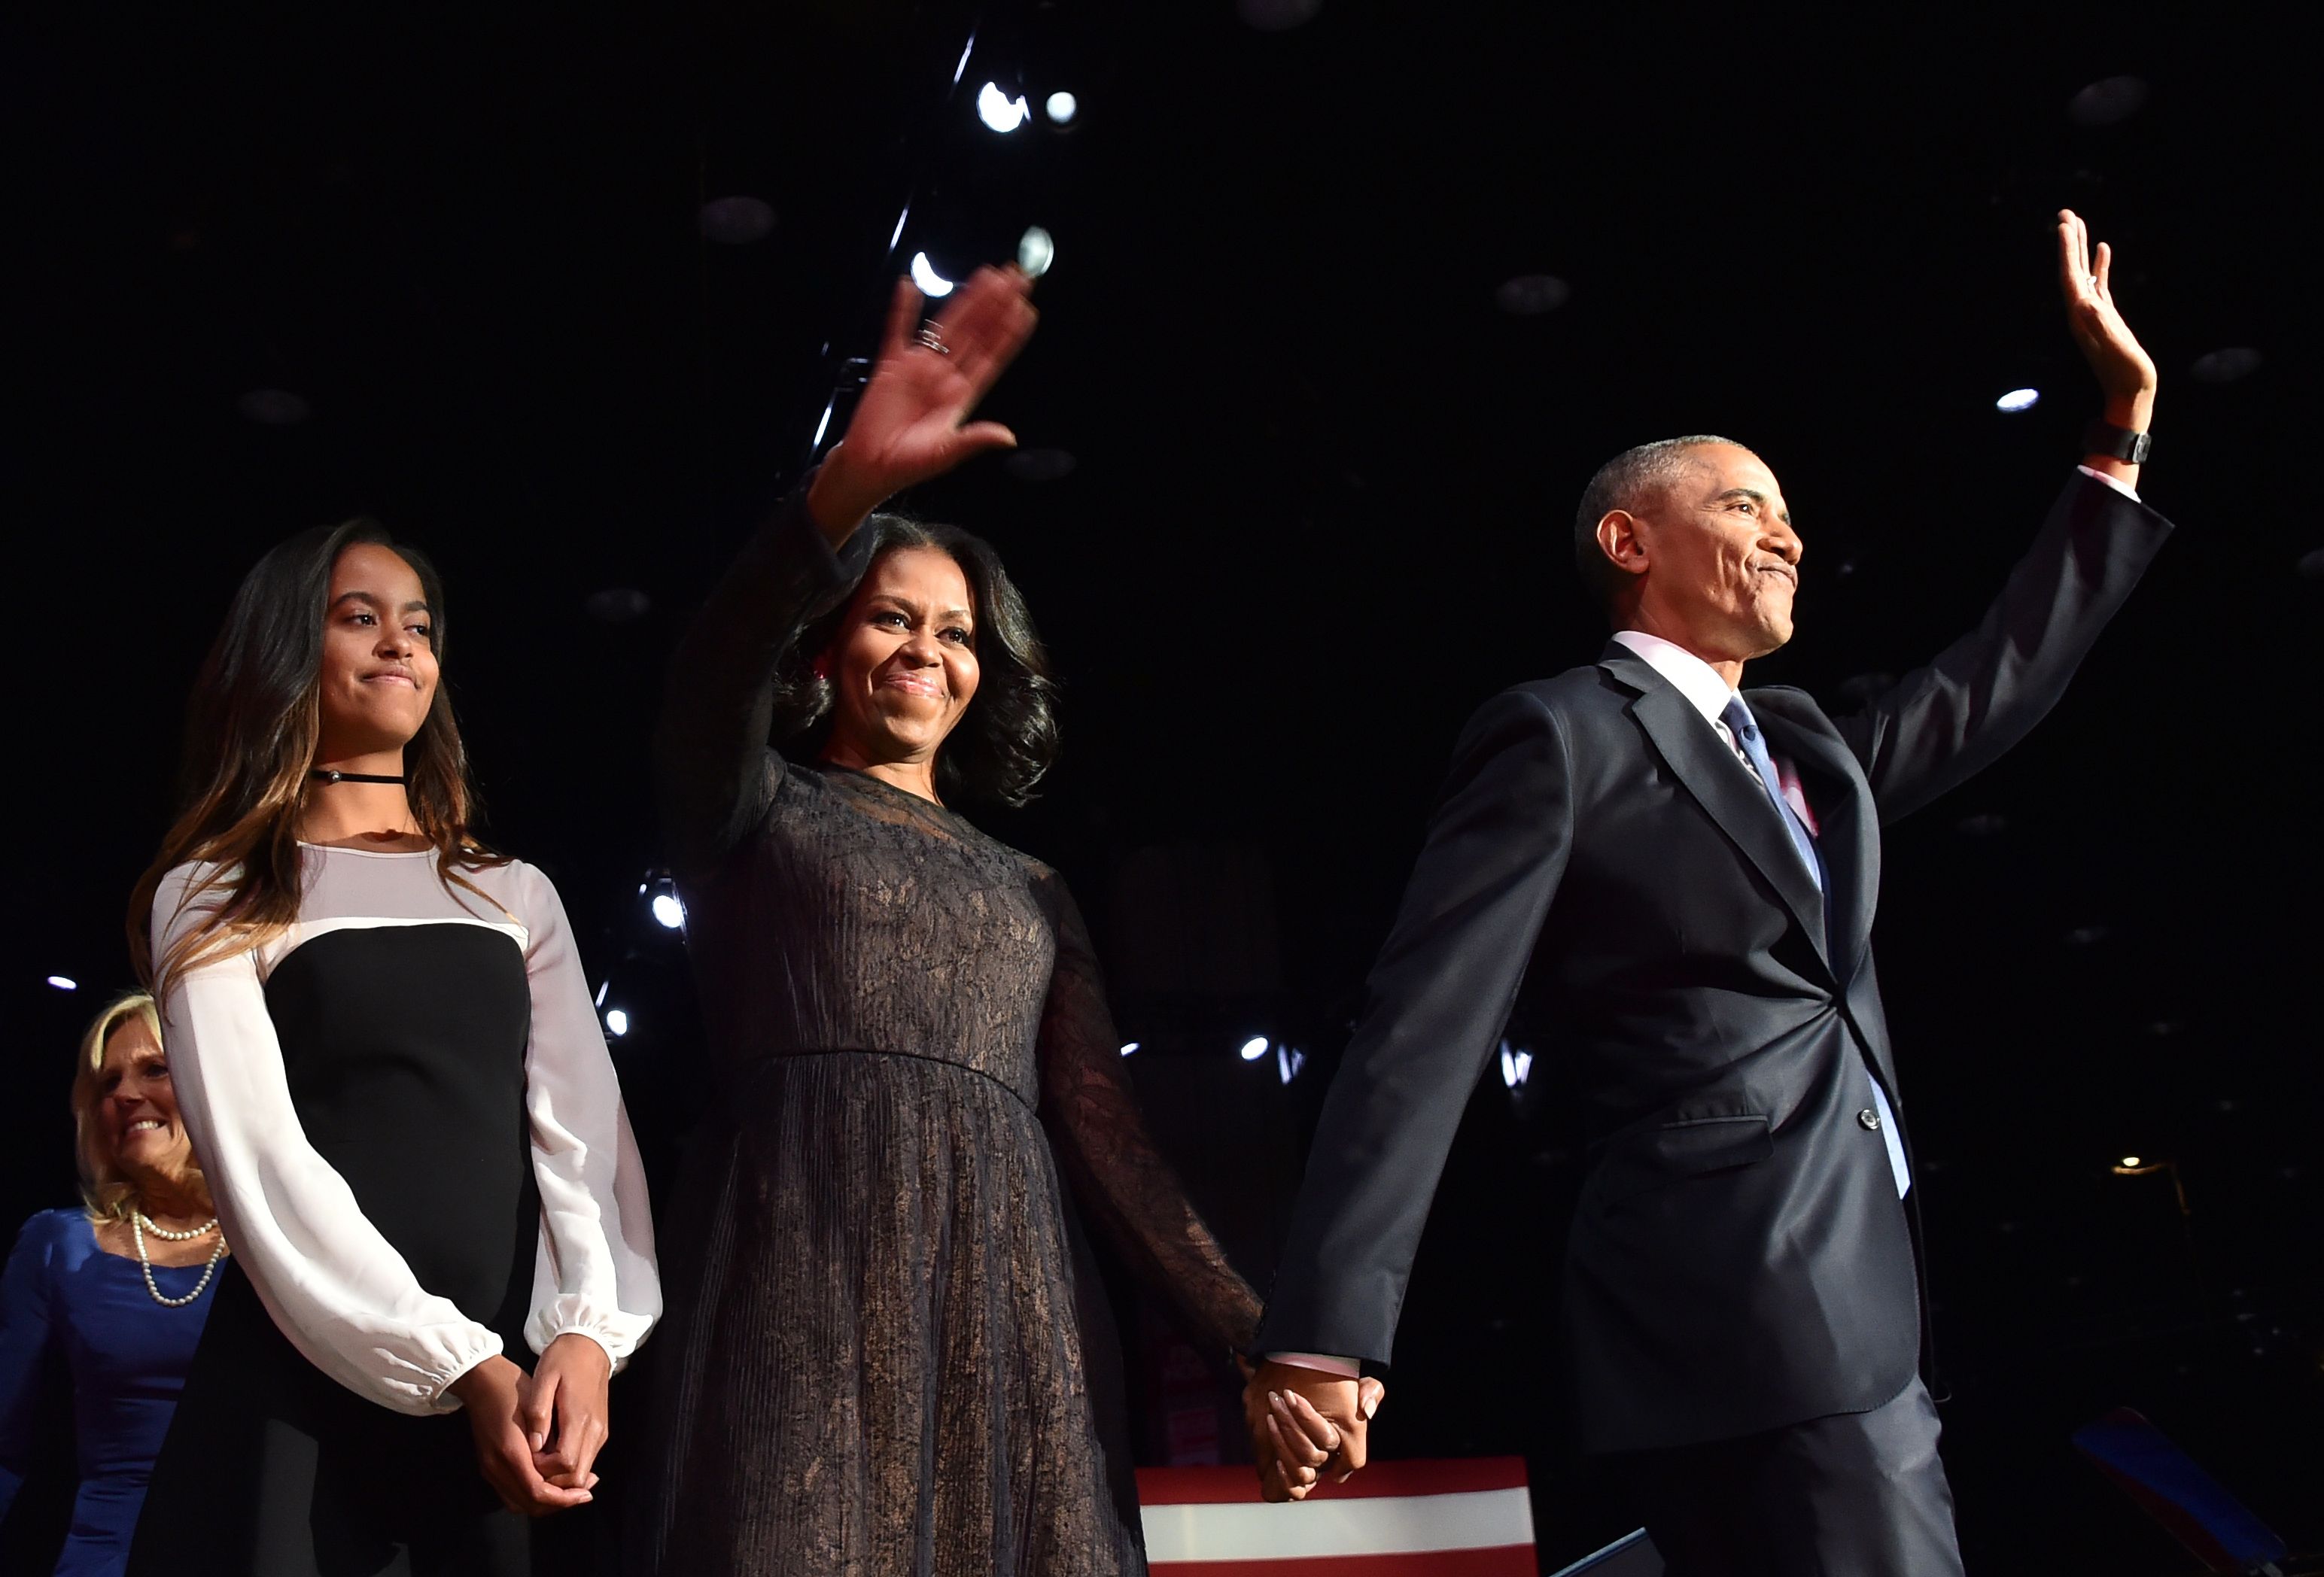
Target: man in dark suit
<point x="1680" y="878"/>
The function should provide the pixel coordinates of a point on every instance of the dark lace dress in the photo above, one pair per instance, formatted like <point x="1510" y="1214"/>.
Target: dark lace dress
<point x="871" y="1362"/>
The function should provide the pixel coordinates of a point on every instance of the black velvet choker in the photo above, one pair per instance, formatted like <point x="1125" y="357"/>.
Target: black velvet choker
<point x="329" y="775"/>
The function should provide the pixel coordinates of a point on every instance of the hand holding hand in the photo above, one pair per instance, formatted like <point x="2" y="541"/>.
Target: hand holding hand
<point x="2126" y="373"/>
<point x="1302" y="1422"/>
<point x="490" y="1394"/>
<point x="565" y="1412"/>
<point x="911" y="423"/>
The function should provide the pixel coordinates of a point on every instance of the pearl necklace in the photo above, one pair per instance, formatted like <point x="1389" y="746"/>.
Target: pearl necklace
<point x="138" y="1225"/>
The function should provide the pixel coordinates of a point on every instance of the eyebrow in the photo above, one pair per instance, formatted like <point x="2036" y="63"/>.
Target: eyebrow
<point x="1755" y="496"/>
<point x="419" y="606"/>
<point x="910" y="606"/>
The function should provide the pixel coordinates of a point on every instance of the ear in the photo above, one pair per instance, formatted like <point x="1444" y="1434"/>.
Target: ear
<point x="1620" y="540"/>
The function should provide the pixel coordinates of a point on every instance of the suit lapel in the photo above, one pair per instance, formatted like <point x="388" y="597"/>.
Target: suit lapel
<point x="1849" y="839"/>
<point x="1723" y="784"/>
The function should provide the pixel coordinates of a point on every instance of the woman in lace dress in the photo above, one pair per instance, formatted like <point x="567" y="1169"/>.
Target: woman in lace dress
<point x="874" y="1363"/>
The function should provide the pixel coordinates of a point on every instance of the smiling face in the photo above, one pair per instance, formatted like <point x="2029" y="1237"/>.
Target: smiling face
<point x="137" y="1109"/>
<point x="902" y="665"/>
<point x="379" y="660"/>
<point x="1715" y="556"/>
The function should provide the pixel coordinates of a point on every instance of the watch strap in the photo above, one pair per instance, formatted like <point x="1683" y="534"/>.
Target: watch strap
<point x="2103" y="437"/>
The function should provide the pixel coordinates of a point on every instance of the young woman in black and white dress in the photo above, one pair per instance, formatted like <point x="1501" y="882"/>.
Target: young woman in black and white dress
<point x="387" y="1056"/>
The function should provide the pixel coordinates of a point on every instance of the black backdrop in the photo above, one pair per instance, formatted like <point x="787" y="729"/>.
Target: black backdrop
<point x="1318" y="511"/>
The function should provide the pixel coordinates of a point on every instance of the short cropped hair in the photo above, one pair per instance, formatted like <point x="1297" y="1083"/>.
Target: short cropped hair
<point x="1623" y="482"/>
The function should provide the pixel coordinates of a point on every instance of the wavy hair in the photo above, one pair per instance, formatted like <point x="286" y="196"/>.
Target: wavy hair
<point x="252" y="732"/>
<point x="108" y="1196"/>
<point x="1007" y="739"/>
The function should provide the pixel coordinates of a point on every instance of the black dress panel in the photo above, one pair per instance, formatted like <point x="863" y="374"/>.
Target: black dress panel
<point x="404" y="1049"/>
<point x="875" y="1364"/>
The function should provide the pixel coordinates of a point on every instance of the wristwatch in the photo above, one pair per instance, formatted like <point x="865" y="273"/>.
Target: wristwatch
<point x="2103" y="437"/>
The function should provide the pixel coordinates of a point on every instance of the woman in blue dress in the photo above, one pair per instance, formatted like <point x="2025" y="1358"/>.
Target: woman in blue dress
<point x="117" y="1291"/>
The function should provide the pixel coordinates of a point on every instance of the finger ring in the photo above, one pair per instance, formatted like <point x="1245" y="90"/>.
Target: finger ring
<point x="931" y="337"/>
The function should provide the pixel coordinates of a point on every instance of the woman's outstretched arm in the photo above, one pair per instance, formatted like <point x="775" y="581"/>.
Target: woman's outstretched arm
<point x="717" y="774"/>
<point x="1128" y="1185"/>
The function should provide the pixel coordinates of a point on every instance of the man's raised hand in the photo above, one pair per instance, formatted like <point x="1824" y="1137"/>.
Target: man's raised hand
<point x="911" y="423"/>
<point x="2126" y="373"/>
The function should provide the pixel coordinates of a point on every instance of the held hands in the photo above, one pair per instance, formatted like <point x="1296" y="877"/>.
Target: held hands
<point x="564" y="1411"/>
<point x="1304" y="1423"/>
<point x="492" y="1395"/>
<point x="911" y="423"/>
<point x="2126" y="373"/>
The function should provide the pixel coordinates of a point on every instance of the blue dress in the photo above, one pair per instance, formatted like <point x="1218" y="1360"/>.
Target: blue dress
<point x="126" y="1354"/>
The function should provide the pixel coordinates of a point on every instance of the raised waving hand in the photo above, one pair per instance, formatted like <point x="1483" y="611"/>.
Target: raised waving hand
<point x="2125" y="372"/>
<point x="912" y="422"/>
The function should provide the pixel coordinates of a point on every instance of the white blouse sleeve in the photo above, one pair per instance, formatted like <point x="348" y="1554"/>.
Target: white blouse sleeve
<point x="336" y="1287"/>
<point x="596" y="1271"/>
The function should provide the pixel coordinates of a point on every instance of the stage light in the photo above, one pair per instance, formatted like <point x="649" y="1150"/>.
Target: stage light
<point x="966" y="49"/>
<point x="931" y="283"/>
<point x="824" y="425"/>
<point x="2106" y="103"/>
<point x="1036" y="250"/>
<point x="272" y="407"/>
<point x="64" y="982"/>
<point x="1062" y="107"/>
<point x="735" y="221"/>
<point x="1287" y="1062"/>
<point x="1039" y="464"/>
<point x="617" y="1022"/>
<point x="1277" y="15"/>
<point x="997" y="110"/>
<point x="2018" y="400"/>
<point x="2130" y="1160"/>
<point x="602" y="988"/>
<point x="1529" y="295"/>
<point x="2226" y="365"/>
<point x="1128" y="1046"/>
<point x="668" y="911"/>
<point x="1254" y="1049"/>
<point x="1515" y="1065"/>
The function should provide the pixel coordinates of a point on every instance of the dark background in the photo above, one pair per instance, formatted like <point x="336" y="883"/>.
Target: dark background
<point x="1318" y="509"/>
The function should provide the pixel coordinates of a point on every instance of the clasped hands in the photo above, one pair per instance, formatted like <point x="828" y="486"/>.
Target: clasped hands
<point x="1306" y="1422"/>
<point x="538" y="1435"/>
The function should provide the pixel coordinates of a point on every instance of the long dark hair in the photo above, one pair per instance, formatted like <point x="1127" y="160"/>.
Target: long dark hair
<point x="251" y="731"/>
<point x="1008" y="738"/>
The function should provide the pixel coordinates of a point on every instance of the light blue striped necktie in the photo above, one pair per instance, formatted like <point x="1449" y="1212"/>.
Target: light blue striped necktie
<point x="1738" y="719"/>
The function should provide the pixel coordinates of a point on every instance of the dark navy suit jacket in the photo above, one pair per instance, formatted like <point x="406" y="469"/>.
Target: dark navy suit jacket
<point x="1740" y="1259"/>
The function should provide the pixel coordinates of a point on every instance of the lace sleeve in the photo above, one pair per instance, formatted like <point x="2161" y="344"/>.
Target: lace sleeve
<point x="716" y="773"/>
<point x="1129" y="1188"/>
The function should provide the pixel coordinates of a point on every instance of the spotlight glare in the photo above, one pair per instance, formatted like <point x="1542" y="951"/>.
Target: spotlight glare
<point x="1254" y="1049"/>
<point x="896" y="235"/>
<point x="2018" y="400"/>
<point x="1515" y="1065"/>
<point x="1036" y="250"/>
<point x="997" y="110"/>
<point x="1288" y="1062"/>
<point x="64" y="982"/>
<point x="1128" y="1046"/>
<point x="1062" y="107"/>
<point x="930" y="281"/>
<point x="604" y="986"/>
<point x="2130" y="1160"/>
<point x="668" y="910"/>
<point x="617" y="1022"/>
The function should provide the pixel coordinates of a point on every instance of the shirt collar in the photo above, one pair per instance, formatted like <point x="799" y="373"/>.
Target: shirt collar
<point x="1689" y="675"/>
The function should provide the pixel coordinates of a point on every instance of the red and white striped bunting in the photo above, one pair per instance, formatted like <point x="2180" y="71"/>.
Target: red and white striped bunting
<point x="1467" y="1518"/>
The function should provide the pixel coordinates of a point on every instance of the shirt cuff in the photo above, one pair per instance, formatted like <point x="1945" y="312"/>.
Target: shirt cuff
<point x="2117" y="482"/>
<point x="1345" y="1368"/>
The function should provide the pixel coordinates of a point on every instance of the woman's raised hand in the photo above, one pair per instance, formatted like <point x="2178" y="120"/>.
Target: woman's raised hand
<point x="911" y="423"/>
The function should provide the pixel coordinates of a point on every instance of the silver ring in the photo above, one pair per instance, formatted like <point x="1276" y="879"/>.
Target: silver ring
<point x="931" y="338"/>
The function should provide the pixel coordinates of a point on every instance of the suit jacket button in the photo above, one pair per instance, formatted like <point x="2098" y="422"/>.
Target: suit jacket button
<point x="1869" y="1118"/>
